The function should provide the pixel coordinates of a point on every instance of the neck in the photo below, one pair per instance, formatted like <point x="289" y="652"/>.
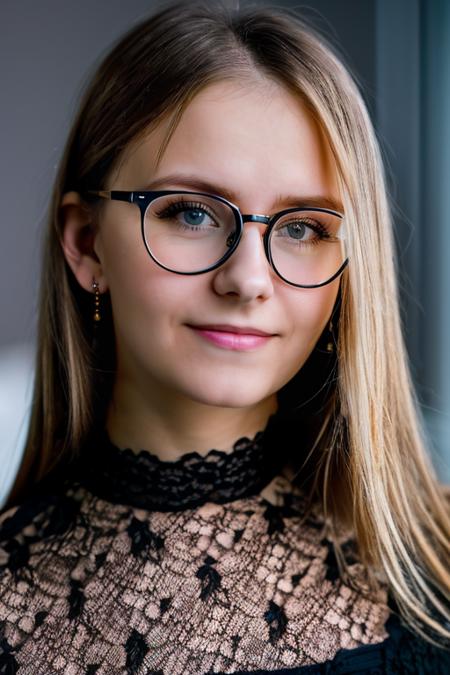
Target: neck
<point x="169" y="426"/>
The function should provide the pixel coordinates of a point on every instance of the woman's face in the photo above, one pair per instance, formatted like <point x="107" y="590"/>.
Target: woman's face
<point x="260" y="145"/>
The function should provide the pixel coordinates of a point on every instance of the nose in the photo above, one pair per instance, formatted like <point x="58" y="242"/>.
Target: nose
<point x="247" y="272"/>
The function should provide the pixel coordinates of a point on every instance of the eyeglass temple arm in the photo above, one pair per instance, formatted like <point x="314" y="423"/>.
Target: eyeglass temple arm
<point x="120" y="195"/>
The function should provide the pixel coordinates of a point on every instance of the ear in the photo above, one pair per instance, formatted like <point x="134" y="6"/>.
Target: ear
<point x="78" y="240"/>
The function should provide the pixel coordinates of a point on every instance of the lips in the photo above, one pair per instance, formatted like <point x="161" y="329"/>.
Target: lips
<point x="227" y="328"/>
<point x="232" y="340"/>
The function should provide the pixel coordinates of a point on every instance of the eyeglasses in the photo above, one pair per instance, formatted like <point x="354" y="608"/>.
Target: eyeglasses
<point x="195" y="232"/>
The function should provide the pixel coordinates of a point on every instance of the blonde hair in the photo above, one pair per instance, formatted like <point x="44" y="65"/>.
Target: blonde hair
<point x="368" y="458"/>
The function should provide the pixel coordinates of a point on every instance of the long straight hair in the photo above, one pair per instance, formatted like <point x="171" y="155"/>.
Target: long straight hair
<point x="367" y="459"/>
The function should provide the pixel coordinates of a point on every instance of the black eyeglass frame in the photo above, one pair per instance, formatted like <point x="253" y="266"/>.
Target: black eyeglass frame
<point x="143" y="199"/>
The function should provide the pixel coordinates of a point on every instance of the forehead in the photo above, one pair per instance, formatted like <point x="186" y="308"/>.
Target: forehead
<point x="250" y="136"/>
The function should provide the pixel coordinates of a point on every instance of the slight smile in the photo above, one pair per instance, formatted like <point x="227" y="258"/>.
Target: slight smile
<point x="234" y="337"/>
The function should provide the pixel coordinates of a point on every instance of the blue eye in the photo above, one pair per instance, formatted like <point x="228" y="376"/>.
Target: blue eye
<point x="302" y="231"/>
<point x="296" y="230"/>
<point x="194" y="216"/>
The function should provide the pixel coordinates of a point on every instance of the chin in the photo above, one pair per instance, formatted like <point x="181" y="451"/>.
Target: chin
<point x="230" y="397"/>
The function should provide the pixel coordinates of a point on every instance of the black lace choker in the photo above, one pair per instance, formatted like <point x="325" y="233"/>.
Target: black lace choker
<point x="145" y="481"/>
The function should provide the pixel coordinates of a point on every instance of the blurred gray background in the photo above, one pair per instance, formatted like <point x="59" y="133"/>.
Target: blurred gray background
<point x="399" y="51"/>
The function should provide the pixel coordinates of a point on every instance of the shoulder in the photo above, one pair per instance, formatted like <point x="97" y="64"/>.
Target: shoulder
<point x="34" y="565"/>
<point x="47" y="511"/>
<point x="29" y="525"/>
<point x="53" y="529"/>
<point x="45" y="543"/>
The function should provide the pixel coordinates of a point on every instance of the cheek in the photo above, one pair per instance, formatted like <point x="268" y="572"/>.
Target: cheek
<point x="133" y="278"/>
<point x="120" y="247"/>
<point x="126" y="272"/>
<point x="147" y="301"/>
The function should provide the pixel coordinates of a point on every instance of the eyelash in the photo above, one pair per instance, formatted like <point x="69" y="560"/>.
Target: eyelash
<point x="177" y="207"/>
<point x="318" y="228"/>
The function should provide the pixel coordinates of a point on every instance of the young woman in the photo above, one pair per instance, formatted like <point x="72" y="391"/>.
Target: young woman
<point x="225" y="469"/>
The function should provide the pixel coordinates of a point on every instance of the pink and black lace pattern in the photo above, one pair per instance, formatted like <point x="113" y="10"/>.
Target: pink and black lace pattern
<point x="91" y="587"/>
<point x="133" y="566"/>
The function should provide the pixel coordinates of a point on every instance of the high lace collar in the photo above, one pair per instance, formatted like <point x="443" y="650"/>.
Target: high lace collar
<point x="145" y="481"/>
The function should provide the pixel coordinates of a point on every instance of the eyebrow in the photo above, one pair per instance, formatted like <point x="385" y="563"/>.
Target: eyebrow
<point x="203" y="185"/>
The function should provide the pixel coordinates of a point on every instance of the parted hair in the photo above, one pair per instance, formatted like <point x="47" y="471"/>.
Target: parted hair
<point x="361" y="442"/>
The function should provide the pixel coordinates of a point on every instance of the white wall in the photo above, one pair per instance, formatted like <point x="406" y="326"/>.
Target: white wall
<point x="16" y="380"/>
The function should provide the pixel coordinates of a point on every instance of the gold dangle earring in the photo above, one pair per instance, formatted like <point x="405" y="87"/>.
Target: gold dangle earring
<point x="97" y="317"/>
<point x="330" y="343"/>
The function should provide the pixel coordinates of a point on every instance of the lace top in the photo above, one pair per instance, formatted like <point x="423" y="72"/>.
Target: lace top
<point x="208" y="564"/>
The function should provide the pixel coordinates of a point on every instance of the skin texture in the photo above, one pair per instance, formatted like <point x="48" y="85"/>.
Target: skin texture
<point x="176" y="392"/>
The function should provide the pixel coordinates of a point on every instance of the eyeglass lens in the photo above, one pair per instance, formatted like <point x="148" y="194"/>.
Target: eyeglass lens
<point x="192" y="232"/>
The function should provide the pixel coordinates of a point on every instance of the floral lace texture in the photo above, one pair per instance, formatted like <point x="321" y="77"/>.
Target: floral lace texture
<point x="94" y="580"/>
